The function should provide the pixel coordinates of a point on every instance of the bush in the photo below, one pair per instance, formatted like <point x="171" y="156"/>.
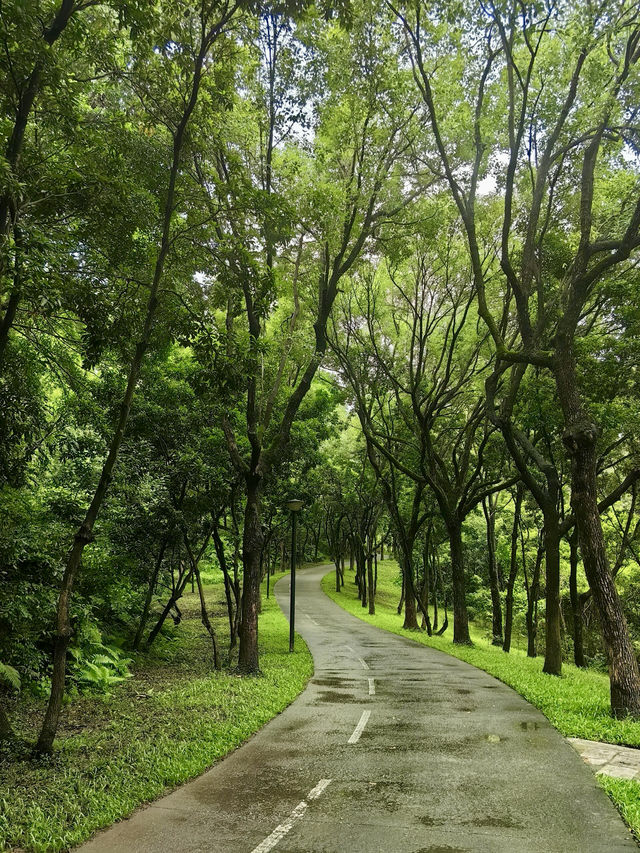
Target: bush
<point x="95" y="666"/>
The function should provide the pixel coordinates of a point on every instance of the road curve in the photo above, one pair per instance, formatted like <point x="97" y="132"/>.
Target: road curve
<point x="393" y="747"/>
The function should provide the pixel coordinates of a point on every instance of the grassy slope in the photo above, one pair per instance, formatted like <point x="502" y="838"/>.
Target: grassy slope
<point x="577" y="703"/>
<point x="164" y="726"/>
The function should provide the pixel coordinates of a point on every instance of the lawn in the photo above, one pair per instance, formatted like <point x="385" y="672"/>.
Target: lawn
<point x="167" y="724"/>
<point x="577" y="703"/>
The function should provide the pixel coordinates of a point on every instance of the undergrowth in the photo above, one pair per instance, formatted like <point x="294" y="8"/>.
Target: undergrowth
<point x="167" y="724"/>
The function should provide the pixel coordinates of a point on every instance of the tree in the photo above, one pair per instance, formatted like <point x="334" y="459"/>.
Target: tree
<point x="251" y="252"/>
<point x="199" y="37"/>
<point x="560" y="236"/>
<point x="413" y="371"/>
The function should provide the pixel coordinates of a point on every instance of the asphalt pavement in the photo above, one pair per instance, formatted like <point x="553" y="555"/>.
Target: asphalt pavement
<point x="393" y="747"/>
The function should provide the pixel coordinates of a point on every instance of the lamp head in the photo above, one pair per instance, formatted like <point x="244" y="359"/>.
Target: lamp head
<point x="294" y="505"/>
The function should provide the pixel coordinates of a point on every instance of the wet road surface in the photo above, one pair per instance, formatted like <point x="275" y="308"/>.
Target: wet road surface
<point x="393" y="747"/>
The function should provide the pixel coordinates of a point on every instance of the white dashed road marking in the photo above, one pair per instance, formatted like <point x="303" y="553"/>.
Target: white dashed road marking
<point x="355" y="737"/>
<point x="319" y="789"/>
<point x="372" y="687"/>
<point x="280" y="831"/>
<point x="365" y="665"/>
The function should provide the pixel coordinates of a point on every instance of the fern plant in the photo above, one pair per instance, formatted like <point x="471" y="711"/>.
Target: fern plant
<point x="9" y="677"/>
<point x="98" y="668"/>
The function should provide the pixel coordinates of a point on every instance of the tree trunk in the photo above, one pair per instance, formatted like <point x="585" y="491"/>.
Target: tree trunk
<point x="426" y="621"/>
<point x="7" y="321"/>
<point x="513" y="569"/>
<point x="228" y="586"/>
<point x="532" y="599"/>
<point x="361" y="573"/>
<point x="553" y="637"/>
<point x="489" y="509"/>
<point x="316" y="542"/>
<point x="173" y="600"/>
<point x="370" y="583"/>
<point x="402" y="590"/>
<point x="436" y="572"/>
<point x="205" y="620"/>
<point x="576" y="603"/>
<point x="580" y="439"/>
<point x="375" y="572"/>
<point x="461" y="634"/>
<point x="445" y="624"/>
<point x="149" y="596"/>
<point x="248" y="660"/>
<point x="410" y="614"/>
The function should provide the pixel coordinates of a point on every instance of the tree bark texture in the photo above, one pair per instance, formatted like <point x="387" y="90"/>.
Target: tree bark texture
<point x="144" y="616"/>
<point x="372" y="595"/>
<point x="532" y="602"/>
<point x="553" y="635"/>
<point x="513" y="569"/>
<point x="248" y="660"/>
<point x="228" y="587"/>
<point x="580" y="439"/>
<point x="461" y="634"/>
<point x="178" y="590"/>
<point x="489" y="509"/>
<point x="410" y="614"/>
<point x="576" y="603"/>
<point x="204" y="615"/>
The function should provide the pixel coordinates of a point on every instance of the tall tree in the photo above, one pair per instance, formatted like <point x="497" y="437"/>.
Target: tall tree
<point x="556" y="87"/>
<point x="416" y="379"/>
<point x="351" y="195"/>
<point x="193" y="37"/>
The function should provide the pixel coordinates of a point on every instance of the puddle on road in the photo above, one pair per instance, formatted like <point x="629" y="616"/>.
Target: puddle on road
<point x="427" y="820"/>
<point x="442" y="848"/>
<point x="333" y="682"/>
<point x="335" y="696"/>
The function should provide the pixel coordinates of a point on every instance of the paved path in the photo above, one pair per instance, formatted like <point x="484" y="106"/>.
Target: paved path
<point x="623" y="762"/>
<point x="393" y="748"/>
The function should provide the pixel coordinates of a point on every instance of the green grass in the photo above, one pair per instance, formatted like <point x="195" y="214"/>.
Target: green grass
<point x="625" y="794"/>
<point x="577" y="703"/>
<point x="169" y="723"/>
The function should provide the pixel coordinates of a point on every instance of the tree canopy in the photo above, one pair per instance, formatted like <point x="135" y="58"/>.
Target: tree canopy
<point x="380" y="256"/>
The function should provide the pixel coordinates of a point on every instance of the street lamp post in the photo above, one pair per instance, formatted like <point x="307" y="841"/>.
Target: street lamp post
<point x="294" y="506"/>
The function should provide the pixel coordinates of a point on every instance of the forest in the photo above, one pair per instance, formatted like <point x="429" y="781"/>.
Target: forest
<point x="379" y="256"/>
